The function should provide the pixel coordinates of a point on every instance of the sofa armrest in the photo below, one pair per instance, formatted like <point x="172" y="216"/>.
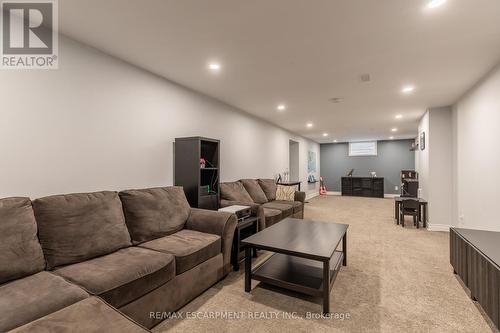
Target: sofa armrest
<point x="218" y="223"/>
<point x="257" y="210"/>
<point x="300" y="196"/>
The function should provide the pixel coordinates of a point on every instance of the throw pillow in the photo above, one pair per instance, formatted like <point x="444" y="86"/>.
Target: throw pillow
<point x="286" y="193"/>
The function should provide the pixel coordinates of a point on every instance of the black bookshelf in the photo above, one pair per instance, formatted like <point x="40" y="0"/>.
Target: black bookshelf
<point x="201" y="185"/>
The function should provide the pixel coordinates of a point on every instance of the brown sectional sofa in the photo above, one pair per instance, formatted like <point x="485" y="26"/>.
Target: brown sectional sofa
<point x="260" y="195"/>
<point x="106" y="255"/>
<point x="90" y="315"/>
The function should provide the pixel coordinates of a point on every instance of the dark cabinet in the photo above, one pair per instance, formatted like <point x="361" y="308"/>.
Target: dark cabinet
<point x="474" y="255"/>
<point x="199" y="180"/>
<point x="363" y="186"/>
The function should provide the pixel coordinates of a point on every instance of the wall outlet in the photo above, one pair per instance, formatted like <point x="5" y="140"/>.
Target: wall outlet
<point x="396" y="188"/>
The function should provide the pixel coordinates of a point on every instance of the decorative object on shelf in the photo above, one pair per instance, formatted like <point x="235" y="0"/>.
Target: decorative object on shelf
<point x="374" y="174"/>
<point x="286" y="176"/>
<point x="349" y="174"/>
<point x="422" y="141"/>
<point x="312" y="179"/>
<point x="203" y="162"/>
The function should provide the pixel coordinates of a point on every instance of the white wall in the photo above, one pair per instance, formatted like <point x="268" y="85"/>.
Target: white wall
<point x="435" y="166"/>
<point x="422" y="157"/>
<point x="99" y="123"/>
<point x="476" y="121"/>
<point x="441" y="168"/>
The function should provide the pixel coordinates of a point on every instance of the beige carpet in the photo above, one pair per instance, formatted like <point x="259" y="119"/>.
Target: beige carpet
<point x="397" y="280"/>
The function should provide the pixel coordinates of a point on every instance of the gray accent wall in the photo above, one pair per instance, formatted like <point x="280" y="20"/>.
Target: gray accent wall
<point x="392" y="157"/>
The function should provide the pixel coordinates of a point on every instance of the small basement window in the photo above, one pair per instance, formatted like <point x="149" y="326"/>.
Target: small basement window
<point x="366" y="148"/>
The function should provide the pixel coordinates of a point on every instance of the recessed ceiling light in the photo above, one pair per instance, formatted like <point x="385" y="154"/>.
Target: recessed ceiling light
<point x="399" y="116"/>
<point x="309" y="125"/>
<point x="281" y="107"/>
<point x="391" y="137"/>
<point x="365" y="77"/>
<point x="435" y="3"/>
<point x="214" y="66"/>
<point x="394" y="130"/>
<point x="325" y="134"/>
<point x="336" y="100"/>
<point x="408" y="89"/>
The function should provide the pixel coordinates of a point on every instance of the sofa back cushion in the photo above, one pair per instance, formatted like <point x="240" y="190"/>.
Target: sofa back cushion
<point x="254" y="190"/>
<point x="155" y="212"/>
<point x="20" y="251"/>
<point x="269" y="187"/>
<point x="76" y="227"/>
<point x="234" y="191"/>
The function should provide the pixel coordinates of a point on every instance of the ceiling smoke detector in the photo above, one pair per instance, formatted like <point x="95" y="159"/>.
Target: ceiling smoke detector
<point x="365" y="77"/>
<point x="336" y="100"/>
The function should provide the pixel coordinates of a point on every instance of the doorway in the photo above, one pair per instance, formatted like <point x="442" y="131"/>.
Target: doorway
<point x="293" y="159"/>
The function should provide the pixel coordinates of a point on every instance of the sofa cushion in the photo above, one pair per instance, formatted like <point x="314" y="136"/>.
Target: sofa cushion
<point x="30" y="298"/>
<point x="189" y="247"/>
<point x="272" y="216"/>
<point x="254" y="190"/>
<point x="234" y="191"/>
<point x="123" y="276"/>
<point x="269" y="187"/>
<point x="76" y="227"/>
<point x="297" y="205"/>
<point x="155" y="212"/>
<point x="285" y="208"/>
<point x="91" y="315"/>
<point x="20" y="251"/>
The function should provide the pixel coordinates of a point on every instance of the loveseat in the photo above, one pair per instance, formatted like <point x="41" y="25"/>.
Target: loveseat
<point x="114" y="257"/>
<point x="260" y="195"/>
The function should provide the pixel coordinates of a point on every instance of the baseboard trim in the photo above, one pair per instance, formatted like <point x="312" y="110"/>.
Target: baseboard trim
<point x="385" y="195"/>
<point x="438" y="227"/>
<point x="311" y="195"/>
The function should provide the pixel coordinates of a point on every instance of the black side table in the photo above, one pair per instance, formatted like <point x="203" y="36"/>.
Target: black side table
<point x="249" y="225"/>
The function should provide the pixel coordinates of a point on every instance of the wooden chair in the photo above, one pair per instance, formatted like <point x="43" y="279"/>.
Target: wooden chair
<point x="409" y="207"/>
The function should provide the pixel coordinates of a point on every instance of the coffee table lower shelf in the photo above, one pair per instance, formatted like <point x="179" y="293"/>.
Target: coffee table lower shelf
<point x="298" y="274"/>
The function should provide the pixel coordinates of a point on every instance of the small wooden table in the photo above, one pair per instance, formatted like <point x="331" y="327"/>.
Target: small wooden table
<point x="251" y="223"/>
<point x="422" y="209"/>
<point x="290" y="183"/>
<point x="306" y="259"/>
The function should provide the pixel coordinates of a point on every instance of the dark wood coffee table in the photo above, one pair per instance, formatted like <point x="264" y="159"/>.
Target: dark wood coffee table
<point x="306" y="259"/>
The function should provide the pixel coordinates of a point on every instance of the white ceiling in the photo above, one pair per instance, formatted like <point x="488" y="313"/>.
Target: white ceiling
<point x="302" y="53"/>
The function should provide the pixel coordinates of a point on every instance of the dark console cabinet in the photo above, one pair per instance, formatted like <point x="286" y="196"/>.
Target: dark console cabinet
<point x="363" y="186"/>
<point x="475" y="257"/>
